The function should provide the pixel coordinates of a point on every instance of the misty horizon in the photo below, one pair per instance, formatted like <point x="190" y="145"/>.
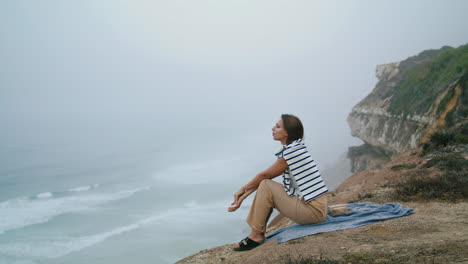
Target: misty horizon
<point x="234" y="65"/>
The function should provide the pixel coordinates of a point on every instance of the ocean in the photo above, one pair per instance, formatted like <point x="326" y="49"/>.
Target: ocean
<point x="80" y="191"/>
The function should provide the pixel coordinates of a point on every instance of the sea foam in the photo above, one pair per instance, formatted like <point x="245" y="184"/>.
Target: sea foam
<point x="44" y="195"/>
<point x="61" y="246"/>
<point x="83" y="188"/>
<point x="21" y="212"/>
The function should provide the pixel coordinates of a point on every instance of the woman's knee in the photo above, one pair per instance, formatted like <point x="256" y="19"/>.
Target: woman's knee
<point x="264" y="183"/>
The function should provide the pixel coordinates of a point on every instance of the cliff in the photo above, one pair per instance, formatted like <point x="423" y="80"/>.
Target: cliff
<point x="412" y="100"/>
<point x="415" y="128"/>
<point x="434" y="184"/>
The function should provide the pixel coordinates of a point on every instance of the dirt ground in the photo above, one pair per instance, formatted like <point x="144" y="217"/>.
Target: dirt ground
<point x="436" y="233"/>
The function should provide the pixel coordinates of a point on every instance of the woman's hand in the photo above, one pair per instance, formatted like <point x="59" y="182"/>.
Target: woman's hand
<point x="273" y="171"/>
<point x="238" y="194"/>
<point x="237" y="203"/>
<point x="239" y="197"/>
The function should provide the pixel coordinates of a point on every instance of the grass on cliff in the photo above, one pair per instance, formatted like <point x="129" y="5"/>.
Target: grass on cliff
<point x="442" y="139"/>
<point x="423" y="82"/>
<point x="450" y="185"/>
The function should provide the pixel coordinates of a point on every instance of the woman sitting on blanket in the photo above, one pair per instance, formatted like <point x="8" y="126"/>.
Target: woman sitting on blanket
<point x="301" y="196"/>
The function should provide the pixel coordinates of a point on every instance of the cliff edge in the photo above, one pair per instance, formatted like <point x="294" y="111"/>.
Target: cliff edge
<point x="415" y="128"/>
<point x="413" y="99"/>
<point x="434" y="184"/>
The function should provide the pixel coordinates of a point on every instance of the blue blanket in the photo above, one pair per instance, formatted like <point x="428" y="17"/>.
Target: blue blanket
<point x="360" y="214"/>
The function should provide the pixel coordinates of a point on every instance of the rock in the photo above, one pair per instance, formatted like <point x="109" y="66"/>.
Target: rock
<point x="413" y="99"/>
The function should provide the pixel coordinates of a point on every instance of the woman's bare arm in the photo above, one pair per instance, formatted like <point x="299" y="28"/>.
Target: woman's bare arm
<point x="238" y="200"/>
<point x="273" y="171"/>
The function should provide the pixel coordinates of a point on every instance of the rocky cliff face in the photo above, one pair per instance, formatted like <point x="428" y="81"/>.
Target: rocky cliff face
<point x="413" y="99"/>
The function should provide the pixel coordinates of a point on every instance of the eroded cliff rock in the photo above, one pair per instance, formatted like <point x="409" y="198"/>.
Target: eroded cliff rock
<point x="413" y="99"/>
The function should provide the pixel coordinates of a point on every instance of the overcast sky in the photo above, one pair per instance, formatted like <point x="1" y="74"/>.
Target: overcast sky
<point x="235" y="62"/>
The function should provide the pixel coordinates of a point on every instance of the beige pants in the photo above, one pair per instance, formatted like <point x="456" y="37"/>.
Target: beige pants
<point x="271" y="195"/>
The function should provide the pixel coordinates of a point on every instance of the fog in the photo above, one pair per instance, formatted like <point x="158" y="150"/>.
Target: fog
<point x="208" y="67"/>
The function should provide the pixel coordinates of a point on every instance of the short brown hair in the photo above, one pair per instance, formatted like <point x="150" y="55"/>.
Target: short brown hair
<point x="293" y="126"/>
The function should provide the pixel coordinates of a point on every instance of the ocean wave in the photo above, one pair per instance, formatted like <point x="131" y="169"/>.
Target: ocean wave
<point x="64" y="193"/>
<point x="59" y="247"/>
<point x="21" y="212"/>
<point x="83" y="188"/>
<point x="44" y="195"/>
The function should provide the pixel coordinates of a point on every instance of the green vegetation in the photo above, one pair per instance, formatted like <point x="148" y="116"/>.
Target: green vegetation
<point x="426" y="77"/>
<point x="460" y="113"/>
<point x="450" y="185"/>
<point x="450" y="162"/>
<point x="441" y="139"/>
<point x="461" y="136"/>
<point x="445" y="101"/>
<point x="445" y="150"/>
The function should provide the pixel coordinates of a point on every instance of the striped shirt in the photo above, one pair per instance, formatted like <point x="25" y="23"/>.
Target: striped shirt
<point x="302" y="178"/>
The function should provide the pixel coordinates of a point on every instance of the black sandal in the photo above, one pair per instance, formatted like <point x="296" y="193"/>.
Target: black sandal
<point x="247" y="244"/>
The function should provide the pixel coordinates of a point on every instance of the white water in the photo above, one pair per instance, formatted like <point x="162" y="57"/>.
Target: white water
<point x="117" y="195"/>
<point x="22" y="212"/>
<point x="66" y="202"/>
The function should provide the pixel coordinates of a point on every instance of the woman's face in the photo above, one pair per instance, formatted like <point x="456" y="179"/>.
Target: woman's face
<point x="279" y="132"/>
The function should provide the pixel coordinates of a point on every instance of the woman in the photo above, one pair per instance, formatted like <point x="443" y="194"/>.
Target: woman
<point x="301" y="196"/>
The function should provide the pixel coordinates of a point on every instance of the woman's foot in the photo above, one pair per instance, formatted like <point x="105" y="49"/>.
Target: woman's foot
<point x="253" y="240"/>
